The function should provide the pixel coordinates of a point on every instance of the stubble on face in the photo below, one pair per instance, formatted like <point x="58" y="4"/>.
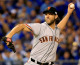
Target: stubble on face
<point x="50" y="19"/>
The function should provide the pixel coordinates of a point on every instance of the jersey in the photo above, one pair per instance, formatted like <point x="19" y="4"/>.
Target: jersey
<point x="45" y="42"/>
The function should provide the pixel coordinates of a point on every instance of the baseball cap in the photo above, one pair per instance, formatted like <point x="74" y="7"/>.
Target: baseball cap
<point x="50" y="10"/>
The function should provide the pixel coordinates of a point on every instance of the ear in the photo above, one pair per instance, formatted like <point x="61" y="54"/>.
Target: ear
<point x="56" y="16"/>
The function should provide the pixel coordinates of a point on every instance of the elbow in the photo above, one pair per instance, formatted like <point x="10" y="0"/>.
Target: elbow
<point x="20" y="25"/>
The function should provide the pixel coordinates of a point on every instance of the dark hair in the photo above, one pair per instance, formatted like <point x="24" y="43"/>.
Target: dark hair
<point x="57" y="20"/>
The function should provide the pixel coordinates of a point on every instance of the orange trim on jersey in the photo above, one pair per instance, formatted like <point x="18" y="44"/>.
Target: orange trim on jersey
<point x="28" y="27"/>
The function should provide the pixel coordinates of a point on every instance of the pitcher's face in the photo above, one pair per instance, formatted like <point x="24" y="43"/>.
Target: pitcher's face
<point x="50" y="18"/>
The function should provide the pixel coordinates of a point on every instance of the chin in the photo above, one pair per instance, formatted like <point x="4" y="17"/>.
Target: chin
<point x="48" y="21"/>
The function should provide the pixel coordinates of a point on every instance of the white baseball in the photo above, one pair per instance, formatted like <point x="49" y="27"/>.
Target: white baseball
<point x="72" y="6"/>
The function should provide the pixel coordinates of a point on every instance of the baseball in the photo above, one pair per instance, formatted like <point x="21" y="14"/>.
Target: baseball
<point x="72" y="6"/>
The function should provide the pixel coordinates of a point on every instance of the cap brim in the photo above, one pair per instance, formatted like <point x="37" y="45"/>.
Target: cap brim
<point x="44" y="12"/>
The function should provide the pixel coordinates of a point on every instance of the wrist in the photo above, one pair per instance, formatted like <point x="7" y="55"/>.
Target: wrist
<point x="8" y="36"/>
<point x="69" y="14"/>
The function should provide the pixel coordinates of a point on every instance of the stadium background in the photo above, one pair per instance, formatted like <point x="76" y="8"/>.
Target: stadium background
<point x="13" y="12"/>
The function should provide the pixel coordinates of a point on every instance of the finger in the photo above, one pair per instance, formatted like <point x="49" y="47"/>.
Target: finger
<point x="70" y="4"/>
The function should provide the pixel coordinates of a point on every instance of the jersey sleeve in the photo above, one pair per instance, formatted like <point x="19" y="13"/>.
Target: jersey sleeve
<point x="34" y="27"/>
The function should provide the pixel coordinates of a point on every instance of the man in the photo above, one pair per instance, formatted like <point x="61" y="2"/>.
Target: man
<point x="46" y="37"/>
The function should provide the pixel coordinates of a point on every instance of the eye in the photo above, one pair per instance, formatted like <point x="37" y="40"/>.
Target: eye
<point x="50" y="13"/>
<point x="45" y="13"/>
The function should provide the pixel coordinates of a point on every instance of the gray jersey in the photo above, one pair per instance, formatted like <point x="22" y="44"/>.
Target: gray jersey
<point x="45" y="42"/>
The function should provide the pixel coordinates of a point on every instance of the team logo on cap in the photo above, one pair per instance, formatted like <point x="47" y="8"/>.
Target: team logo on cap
<point x="49" y="8"/>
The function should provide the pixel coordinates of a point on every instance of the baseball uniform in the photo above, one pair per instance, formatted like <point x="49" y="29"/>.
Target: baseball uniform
<point x="45" y="43"/>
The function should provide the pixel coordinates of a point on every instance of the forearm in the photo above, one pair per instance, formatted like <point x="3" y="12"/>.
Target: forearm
<point x="16" y="29"/>
<point x="64" y="21"/>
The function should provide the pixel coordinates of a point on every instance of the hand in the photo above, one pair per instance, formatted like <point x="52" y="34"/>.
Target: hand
<point x="70" y="10"/>
<point x="9" y="42"/>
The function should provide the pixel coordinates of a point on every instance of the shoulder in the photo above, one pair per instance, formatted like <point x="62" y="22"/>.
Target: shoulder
<point x="34" y="24"/>
<point x="44" y="24"/>
<point x="57" y="27"/>
<point x="38" y="25"/>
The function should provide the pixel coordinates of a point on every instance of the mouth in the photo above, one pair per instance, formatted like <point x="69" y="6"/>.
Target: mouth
<point x="47" y="17"/>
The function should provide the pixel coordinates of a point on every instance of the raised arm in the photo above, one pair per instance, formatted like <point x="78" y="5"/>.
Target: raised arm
<point x="63" y="22"/>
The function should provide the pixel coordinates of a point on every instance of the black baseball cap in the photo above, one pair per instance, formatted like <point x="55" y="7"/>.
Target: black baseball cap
<point x="50" y="10"/>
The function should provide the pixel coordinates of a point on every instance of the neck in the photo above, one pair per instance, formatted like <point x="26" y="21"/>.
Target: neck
<point x="52" y="26"/>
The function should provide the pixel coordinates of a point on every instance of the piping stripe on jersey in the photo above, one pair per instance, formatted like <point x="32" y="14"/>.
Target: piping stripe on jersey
<point x="51" y="43"/>
<point x="49" y="46"/>
<point x="29" y="27"/>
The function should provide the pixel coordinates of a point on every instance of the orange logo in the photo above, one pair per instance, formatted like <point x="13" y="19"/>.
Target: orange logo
<point x="49" y="8"/>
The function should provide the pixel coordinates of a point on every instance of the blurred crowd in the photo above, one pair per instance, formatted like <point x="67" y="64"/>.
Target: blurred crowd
<point x="13" y="12"/>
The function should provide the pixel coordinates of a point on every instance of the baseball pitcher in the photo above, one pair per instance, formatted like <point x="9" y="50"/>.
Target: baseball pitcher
<point x="46" y="37"/>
